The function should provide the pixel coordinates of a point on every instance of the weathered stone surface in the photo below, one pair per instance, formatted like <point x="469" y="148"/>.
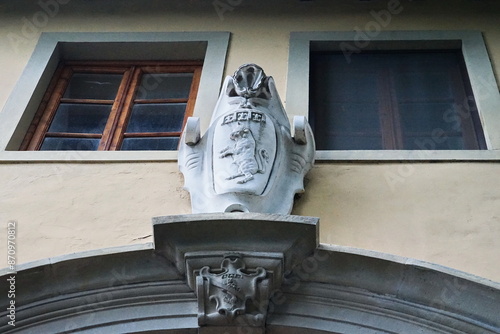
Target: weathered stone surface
<point x="234" y="261"/>
<point x="247" y="160"/>
<point x="329" y="290"/>
<point x="294" y="236"/>
<point x="232" y="294"/>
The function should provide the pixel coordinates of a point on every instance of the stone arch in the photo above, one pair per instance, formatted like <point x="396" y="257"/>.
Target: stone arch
<point x="332" y="289"/>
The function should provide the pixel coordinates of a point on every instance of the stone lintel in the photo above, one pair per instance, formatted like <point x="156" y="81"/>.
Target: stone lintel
<point x="295" y="237"/>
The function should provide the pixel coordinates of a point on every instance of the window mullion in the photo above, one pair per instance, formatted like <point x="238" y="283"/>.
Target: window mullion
<point x="112" y="125"/>
<point x="395" y="114"/>
<point x="126" y="107"/>
<point x="386" y="111"/>
<point x="192" y="95"/>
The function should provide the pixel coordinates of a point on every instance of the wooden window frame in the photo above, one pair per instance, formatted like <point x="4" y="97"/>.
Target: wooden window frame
<point x="116" y="125"/>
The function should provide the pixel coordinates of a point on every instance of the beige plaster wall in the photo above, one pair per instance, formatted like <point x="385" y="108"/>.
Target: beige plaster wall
<point x="446" y="213"/>
<point x="66" y="208"/>
<point x="443" y="213"/>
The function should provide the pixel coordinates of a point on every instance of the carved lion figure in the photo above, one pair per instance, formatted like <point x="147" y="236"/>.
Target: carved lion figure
<point x="246" y="157"/>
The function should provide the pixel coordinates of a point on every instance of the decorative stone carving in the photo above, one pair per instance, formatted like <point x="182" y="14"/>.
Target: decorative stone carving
<point x="232" y="295"/>
<point x="247" y="160"/>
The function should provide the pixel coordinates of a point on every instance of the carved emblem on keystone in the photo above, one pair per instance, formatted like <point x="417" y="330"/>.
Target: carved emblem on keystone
<point x="232" y="295"/>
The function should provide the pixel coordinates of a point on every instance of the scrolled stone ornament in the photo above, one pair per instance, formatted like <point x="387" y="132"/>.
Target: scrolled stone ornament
<point x="248" y="159"/>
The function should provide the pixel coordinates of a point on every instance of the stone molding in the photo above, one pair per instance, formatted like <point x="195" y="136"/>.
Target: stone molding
<point x="329" y="290"/>
<point x="294" y="236"/>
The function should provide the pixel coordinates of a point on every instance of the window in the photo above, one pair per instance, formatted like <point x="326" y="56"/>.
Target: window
<point x="408" y="100"/>
<point x="115" y="106"/>
<point x="54" y="48"/>
<point x="401" y="128"/>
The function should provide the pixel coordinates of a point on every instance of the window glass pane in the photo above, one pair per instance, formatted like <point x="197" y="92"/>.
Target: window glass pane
<point x="359" y="87"/>
<point x="356" y="125"/>
<point x="80" y="118"/>
<point x="348" y="142"/>
<point x="427" y="101"/>
<point x="157" y="117"/>
<point x="425" y="117"/>
<point x="353" y="117"/>
<point x="440" y="141"/>
<point x="65" y="144"/>
<point x="393" y="97"/>
<point x="164" y="86"/>
<point x="150" y="143"/>
<point x="345" y="104"/>
<point x="93" y="86"/>
<point x="423" y="86"/>
<point x="336" y="80"/>
<point x="431" y="126"/>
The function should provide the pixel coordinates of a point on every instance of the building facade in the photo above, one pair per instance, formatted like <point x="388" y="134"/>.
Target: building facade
<point x="416" y="184"/>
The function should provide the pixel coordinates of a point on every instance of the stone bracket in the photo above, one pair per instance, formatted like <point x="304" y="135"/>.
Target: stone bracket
<point x="296" y="237"/>
<point x="233" y="285"/>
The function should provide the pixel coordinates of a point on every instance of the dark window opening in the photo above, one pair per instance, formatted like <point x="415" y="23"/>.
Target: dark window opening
<point x="394" y="101"/>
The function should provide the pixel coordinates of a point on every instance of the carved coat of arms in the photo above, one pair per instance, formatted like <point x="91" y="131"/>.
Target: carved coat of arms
<point x="232" y="294"/>
<point x="247" y="160"/>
